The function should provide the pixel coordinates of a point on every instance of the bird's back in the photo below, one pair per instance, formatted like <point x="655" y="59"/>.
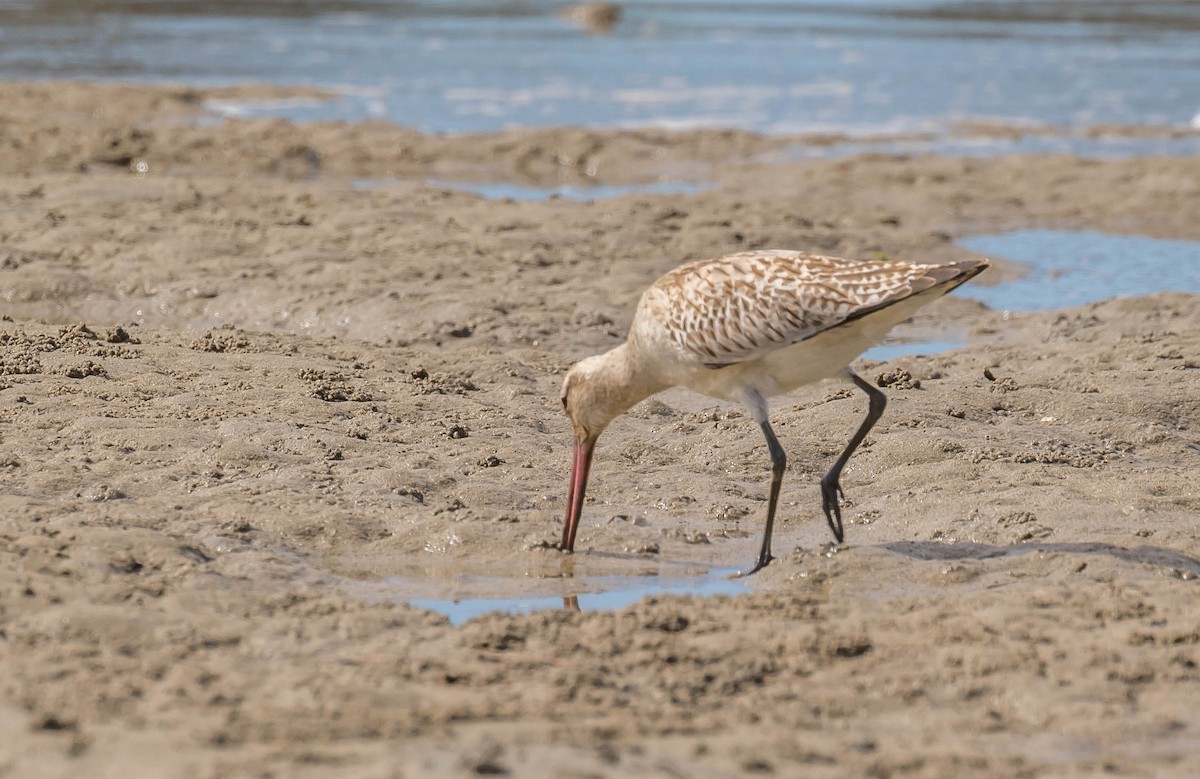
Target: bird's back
<point x="741" y="307"/>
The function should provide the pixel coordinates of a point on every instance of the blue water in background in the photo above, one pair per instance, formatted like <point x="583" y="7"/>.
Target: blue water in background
<point x="859" y="66"/>
<point x="1073" y="267"/>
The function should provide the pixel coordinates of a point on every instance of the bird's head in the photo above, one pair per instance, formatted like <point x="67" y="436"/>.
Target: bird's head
<point x="596" y="391"/>
<point x="591" y="398"/>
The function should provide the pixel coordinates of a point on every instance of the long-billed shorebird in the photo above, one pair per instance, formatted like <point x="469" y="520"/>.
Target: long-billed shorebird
<point x="746" y="327"/>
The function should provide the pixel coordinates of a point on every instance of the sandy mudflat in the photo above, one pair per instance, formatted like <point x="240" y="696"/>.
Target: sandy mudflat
<point x="249" y="406"/>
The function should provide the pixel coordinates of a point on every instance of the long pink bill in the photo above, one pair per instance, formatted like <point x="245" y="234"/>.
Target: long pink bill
<point x="579" y="479"/>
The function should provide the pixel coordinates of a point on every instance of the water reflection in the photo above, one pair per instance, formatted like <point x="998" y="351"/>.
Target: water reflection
<point x="585" y="593"/>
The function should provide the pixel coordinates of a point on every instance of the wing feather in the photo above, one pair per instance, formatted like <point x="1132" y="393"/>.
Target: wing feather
<point x="740" y="307"/>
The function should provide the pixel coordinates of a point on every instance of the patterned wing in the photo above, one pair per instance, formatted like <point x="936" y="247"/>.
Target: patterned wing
<point x="742" y="306"/>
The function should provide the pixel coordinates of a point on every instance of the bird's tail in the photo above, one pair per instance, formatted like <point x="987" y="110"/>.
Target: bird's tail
<point x="955" y="273"/>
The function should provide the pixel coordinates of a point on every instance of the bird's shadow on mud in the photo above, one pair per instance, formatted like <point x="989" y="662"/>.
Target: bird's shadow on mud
<point x="1183" y="565"/>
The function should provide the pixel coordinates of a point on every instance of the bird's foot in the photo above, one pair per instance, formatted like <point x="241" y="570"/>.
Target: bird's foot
<point x="831" y="490"/>
<point x="763" y="560"/>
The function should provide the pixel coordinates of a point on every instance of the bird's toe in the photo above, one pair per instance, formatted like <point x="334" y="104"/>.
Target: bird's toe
<point x="831" y="491"/>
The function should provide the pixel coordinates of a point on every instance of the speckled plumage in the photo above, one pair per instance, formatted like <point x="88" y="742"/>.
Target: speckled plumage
<point x="747" y="327"/>
<point x="739" y="307"/>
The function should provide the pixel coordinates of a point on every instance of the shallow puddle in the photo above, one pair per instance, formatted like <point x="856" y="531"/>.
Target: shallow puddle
<point x="890" y="351"/>
<point x="592" y="593"/>
<point x="1068" y="268"/>
<point x="1071" y="268"/>
<point x="497" y="190"/>
<point x="607" y="592"/>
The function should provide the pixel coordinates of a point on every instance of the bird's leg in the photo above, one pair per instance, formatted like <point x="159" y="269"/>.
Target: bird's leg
<point x="778" y="465"/>
<point x="831" y="488"/>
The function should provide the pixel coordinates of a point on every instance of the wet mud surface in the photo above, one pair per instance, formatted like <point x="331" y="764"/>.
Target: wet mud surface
<point x="249" y="411"/>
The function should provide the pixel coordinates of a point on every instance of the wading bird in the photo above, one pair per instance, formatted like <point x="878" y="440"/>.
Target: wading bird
<point x="747" y="327"/>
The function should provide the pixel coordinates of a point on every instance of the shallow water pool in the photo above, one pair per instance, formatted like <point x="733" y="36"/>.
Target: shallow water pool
<point x="496" y="190"/>
<point x="1067" y="268"/>
<point x="1071" y="268"/>
<point x="593" y="593"/>
<point x="890" y="351"/>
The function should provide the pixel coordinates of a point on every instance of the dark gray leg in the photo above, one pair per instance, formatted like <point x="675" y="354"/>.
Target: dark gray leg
<point x="778" y="465"/>
<point x="830" y="484"/>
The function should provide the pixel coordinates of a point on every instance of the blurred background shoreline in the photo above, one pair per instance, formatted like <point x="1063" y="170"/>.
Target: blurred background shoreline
<point x="863" y="67"/>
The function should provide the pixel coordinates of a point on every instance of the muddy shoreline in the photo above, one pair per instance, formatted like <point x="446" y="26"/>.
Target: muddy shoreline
<point x="249" y="408"/>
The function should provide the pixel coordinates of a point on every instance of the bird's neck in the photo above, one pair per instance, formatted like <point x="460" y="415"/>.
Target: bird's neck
<point x="630" y="378"/>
